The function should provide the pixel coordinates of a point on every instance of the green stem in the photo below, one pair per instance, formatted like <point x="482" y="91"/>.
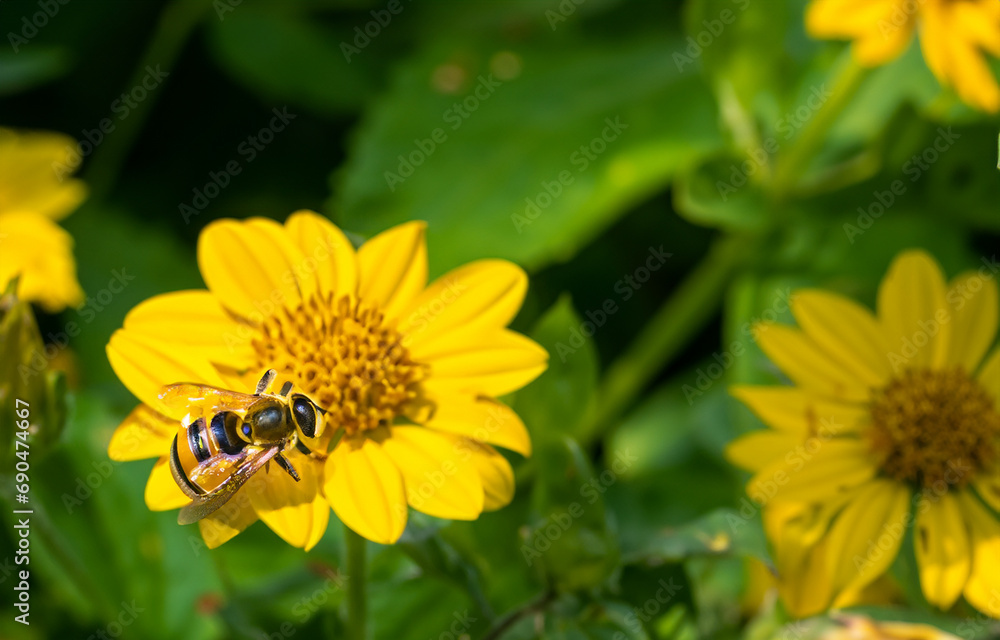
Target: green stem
<point x="356" y="585"/>
<point x="793" y="164"/>
<point x="175" y="26"/>
<point x="666" y="333"/>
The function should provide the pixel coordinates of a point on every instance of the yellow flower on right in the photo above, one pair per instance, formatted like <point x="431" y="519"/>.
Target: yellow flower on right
<point x="954" y="34"/>
<point x="891" y="427"/>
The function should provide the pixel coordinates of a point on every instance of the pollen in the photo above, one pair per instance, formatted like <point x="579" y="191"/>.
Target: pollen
<point x="345" y="357"/>
<point x="929" y="427"/>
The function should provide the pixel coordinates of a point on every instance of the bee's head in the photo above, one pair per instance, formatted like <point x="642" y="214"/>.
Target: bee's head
<point x="307" y="416"/>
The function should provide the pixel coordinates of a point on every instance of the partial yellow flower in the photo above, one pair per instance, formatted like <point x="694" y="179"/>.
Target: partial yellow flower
<point x="892" y="423"/>
<point x="34" y="193"/>
<point x="864" y="628"/>
<point x="955" y="35"/>
<point x="410" y="371"/>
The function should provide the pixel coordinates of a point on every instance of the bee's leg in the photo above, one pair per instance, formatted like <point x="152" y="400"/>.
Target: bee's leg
<point x="286" y="465"/>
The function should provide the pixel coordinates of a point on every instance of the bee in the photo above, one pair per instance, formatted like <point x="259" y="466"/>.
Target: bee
<point x="226" y="437"/>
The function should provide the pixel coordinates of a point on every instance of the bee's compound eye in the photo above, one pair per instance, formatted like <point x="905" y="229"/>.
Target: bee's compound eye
<point x="305" y="416"/>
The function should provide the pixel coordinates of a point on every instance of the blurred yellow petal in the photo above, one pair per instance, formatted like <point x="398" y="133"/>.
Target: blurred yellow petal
<point x="143" y="434"/>
<point x="501" y="362"/>
<point x="846" y="331"/>
<point x="914" y="311"/>
<point x="145" y="366"/>
<point x="942" y="546"/>
<point x="35" y="170"/>
<point x="485" y="293"/>
<point x="250" y="266"/>
<point x="807" y="365"/>
<point x="792" y="409"/>
<point x="867" y="535"/>
<point x="287" y="506"/>
<point x="392" y="268"/>
<point x="756" y="450"/>
<point x="495" y="473"/>
<point x="224" y="524"/>
<point x="194" y="319"/>
<point x="437" y="470"/>
<point x="875" y="48"/>
<point x="814" y="473"/>
<point x="329" y="255"/>
<point x="975" y="305"/>
<point x="162" y="492"/>
<point x="483" y="419"/>
<point x="846" y="18"/>
<point x="983" y="585"/>
<point x="41" y="253"/>
<point x="365" y="489"/>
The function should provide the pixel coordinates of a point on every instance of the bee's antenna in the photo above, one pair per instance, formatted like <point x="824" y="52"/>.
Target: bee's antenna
<point x="265" y="381"/>
<point x="285" y="388"/>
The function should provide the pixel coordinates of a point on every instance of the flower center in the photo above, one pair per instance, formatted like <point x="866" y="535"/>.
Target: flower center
<point x="929" y="427"/>
<point x="343" y="356"/>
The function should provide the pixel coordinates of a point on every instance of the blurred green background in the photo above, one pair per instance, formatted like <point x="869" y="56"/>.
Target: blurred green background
<point x="521" y="92"/>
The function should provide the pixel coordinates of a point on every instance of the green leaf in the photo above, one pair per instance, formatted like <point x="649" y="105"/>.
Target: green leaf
<point x="556" y="402"/>
<point x="723" y="532"/>
<point x="285" y="58"/>
<point x="723" y="193"/>
<point x="29" y="68"/>
<point x="574" y="160"/>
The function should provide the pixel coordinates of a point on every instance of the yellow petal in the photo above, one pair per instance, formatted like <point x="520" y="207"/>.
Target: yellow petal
<point x="942" y="546"/>
<point x="325" y="246"/>
<point x="792" y="409"/>
<point x="500" y="362"/>
<point x="987" y="485"/>
<point x="144" y="433"/>
<point x="984" y="534"/>
<point x="847" y="332"/>
<point x="483" y="419"/>
<point x="145" y="365"/>
<point x="250" y="266"/>
<point x="807" y="365"/>
<point x="974" y="302"/>
<point x="287" y="506"/>
<point x="867" y="535"/>
<point x="41" y="253"/>
<point x="194" y="319"/>
<point x="756" y="450"/>
<point x="392" y="268"/>
<point x="34" y="173"/>
<point x="989" y="375"/>
<point x="365" y="489"/>
<point x="879" y="47"/>
<point x="846" y="18"/>
<point x="912" y="307"/>
<point x="485" y="293"/>
<point x="438" y="472"/>
<point x="816" y="471"/>
<point x="952" y="52"/>
<point x="162" y="492"/>
<point x="494" y="472"/>
<point x="224" y="524"/>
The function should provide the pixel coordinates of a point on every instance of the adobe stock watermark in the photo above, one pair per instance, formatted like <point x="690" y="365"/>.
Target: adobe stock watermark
<point x="706" y="377"/>
<point x="581" y="158"/>
<point x="122" y="107"/>
<point x="455" y="116"/>
<point x="38" y="20"/>
<point x="914" y="169"/>
<point x="760" y="156"/>
<point x="248" y="149"/>
<point x="562" y="12"/>
<point x="363" y="35"/>
<point x="115" y="628"/>
<point x="714" y="28"/>
<point x="625" y="287"/>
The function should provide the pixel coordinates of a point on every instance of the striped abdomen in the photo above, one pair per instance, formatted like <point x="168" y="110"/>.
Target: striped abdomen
<point x="204" y="454"/>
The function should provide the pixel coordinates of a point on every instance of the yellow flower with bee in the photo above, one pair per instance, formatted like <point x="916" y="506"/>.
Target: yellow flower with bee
<point x="954" y="35"/>
<point x="34" y="194"/>
<point x="892" y="424"/>
<point x="406" y="372"/>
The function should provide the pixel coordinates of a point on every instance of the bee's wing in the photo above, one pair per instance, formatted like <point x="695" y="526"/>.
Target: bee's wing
<point x="248" y="462"/>
<point x="203" y="400"/>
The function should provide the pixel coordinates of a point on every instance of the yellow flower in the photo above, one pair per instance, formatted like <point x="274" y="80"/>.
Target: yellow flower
<point x="409" y="371"/>
<point x="863" y="628"/>
<point x="892" y="423"/>
<point x="954" y="34"/>
<point x="34" y="193"/>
